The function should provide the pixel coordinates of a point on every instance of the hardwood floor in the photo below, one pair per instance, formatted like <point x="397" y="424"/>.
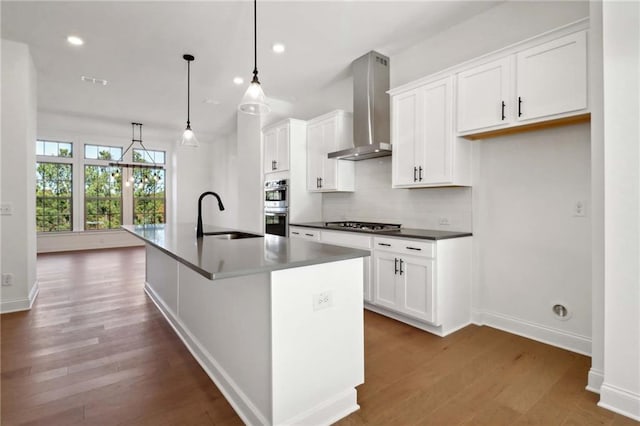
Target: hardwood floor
<point x="94" y="350"/>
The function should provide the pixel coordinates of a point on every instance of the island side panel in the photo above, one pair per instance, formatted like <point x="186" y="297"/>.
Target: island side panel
<point x="162" y="276"/>
<point x="318" y="354"/>
<point x="229" y="321"/>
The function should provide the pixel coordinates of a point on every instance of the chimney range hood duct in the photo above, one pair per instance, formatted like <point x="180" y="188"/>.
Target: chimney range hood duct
<point x="370" y="109"/>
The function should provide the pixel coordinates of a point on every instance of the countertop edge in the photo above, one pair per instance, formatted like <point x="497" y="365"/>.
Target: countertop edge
<point x="392" y="234"/>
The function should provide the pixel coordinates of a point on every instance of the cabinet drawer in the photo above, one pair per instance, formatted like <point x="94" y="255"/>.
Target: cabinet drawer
<point x="410" y="247"/>
<point x="347" y="239"/>
<point x="306" y="233"/>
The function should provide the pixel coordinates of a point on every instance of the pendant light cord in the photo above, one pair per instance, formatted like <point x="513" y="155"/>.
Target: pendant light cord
<point x="255" y="42"/>
<point x="188" y="91"/>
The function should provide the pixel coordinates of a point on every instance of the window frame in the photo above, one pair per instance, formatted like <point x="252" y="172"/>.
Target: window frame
<point x="55" y="159"/>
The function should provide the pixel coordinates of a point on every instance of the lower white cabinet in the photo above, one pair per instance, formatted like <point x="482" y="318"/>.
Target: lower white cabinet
<point x="405" y="284"/>
<point x="424" y="283"/>
<point x="305" y="233"/>
<point x="353" y="240"/>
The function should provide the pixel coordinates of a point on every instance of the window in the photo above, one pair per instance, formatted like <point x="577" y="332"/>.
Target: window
<point x="54" y="202"/>
<point x="148" y="188"/>
<point x="102" y="197"/>
<point x="99" y="188"/>
<point x="54" y="149"/>
<point x="100" y="152"/>
<point x="54" y="186"/>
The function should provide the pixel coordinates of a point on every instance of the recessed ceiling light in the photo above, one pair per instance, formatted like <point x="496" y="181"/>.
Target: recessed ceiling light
<point x="75" y="40"/>
<point x="238" y="80"/>
<point x="211" y="101"/>
<point x="278" y="47"/>
<point x="94" y="80"/>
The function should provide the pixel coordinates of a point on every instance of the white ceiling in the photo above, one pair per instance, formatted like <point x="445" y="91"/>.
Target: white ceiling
<point x="138" y="48"/>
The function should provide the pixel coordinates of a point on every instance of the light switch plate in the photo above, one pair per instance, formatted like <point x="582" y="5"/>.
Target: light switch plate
<point x="6" y="209"/>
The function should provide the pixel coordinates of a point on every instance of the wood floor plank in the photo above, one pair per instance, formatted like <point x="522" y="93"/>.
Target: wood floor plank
<point x="94" y="350"/>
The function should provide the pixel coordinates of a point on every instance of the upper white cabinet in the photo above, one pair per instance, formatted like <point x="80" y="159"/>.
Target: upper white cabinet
<point x="328" y="133"/>
<point x="541" y="83"/>
<point x="425" y="150"/>
<point x="276" y="148"/>
<point x="483" y="93"/>
<point x="552" y="78"/>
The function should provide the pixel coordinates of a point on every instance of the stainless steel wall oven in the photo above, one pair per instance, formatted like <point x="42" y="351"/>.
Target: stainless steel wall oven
<point x="276" y="207"/>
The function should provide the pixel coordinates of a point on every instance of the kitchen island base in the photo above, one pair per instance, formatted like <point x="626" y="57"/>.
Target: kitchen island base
<point x="284" y="347"/>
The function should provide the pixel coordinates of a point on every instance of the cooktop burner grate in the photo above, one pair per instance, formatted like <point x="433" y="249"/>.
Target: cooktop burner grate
<point x="364" y="226"/>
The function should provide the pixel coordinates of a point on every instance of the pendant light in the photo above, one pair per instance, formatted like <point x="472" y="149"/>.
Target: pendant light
<point x="254" y="102"/>
<point x="188" y="137"/>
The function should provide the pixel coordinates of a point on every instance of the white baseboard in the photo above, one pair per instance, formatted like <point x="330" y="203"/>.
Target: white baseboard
<point x="23" y="304"/>
<point x="552" y="336"/>
<point x="87" y="240"/>
<point x="328" y="412"/>
<point x="242" y="405"/>
<point x="594" y="382"/>
<point x="620" y="401"/>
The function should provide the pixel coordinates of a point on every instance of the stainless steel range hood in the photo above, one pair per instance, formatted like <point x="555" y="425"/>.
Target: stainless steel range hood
<point x="371" y="135"/>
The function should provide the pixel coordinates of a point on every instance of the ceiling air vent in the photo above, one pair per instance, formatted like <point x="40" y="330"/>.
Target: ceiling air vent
<point x="94" y="80"/>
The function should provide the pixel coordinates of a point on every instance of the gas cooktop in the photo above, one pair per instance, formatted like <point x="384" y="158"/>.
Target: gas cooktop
<point x="364" y="226"/>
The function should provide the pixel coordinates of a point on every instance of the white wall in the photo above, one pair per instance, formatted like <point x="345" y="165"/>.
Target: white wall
<point x="531" y="251"/>
<point x="596" y="373"/>
<point x="620" y="390"/>
<point x="249" y="172"/>
<point x="18" y="175"/>
<point x="374" y="200"/>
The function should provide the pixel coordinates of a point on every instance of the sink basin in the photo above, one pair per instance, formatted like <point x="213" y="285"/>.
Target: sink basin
<point x="232" y="235"/>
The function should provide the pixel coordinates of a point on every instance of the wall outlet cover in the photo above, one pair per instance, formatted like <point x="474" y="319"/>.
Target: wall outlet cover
<point x="322" y="300"/>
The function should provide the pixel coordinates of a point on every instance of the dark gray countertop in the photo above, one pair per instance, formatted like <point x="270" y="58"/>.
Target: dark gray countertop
<point x="423" y="234"/>
<point x="215" y="258"/>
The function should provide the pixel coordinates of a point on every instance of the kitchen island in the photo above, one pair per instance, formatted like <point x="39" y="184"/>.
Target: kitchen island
<point x="276" y="323"/>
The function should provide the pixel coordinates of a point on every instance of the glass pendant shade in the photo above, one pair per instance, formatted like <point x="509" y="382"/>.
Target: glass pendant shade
<point x="254" y="101"/>
<point x="189" y="138"/>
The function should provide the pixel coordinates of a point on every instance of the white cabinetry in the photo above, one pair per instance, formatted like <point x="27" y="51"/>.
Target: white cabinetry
<point x="425" y="151"/>
<point x="328" y="133"/>
<point x="353" y="240"/>
<point x="304" y="233"/>
<point x="541" y="83"/>
<point x="276" y="148"/>
<point x="552" y="78"/>
<point x="483" y="93"/>
<point x="405" y="283"/>
<point x="423" y="283"/>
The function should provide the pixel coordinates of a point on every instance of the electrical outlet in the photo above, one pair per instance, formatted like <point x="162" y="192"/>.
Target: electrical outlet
<point x="322" y="300"/>
<point x="7" y="279"/>
<point x="6" y="209"/>
<point x="579" y="209"/>
<point x="444" y="221"/>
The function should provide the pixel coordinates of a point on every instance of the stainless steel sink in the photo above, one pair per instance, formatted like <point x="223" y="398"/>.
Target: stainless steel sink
<point x="232" y="235"/>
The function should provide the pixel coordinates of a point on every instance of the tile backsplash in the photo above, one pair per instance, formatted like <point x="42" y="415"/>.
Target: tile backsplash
<point x="374" y="200"/>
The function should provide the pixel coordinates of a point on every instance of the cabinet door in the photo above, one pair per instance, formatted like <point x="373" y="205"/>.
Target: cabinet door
<point x="314" y="157"/>
<point x="481" y="91"/>
<point x="282" y="148"/>
<point x="435" y="157"/>
<point x="406" y="133"/>
<point x="552" y="78"/>
<point x="417" y="295"/>
<point x="330" y="144"/>
<point x="386" y="290"/>
<point x="270" y="147"/>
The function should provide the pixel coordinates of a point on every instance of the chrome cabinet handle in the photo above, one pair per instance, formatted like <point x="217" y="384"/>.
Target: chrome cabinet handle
<point x="320" y="182"/>
<point x="415" y="170"/>
<point x="384" y="244"/>
<point x="295" y="233"/>
<point x="401" y="270"/>
<point x="503" y="116"/>
<point x="309" y="235"/>
<point x="275" y="165"/>
<point x="396" y="265"/>
<point x="420" y="173"/>
<point x="414" y="248"/>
